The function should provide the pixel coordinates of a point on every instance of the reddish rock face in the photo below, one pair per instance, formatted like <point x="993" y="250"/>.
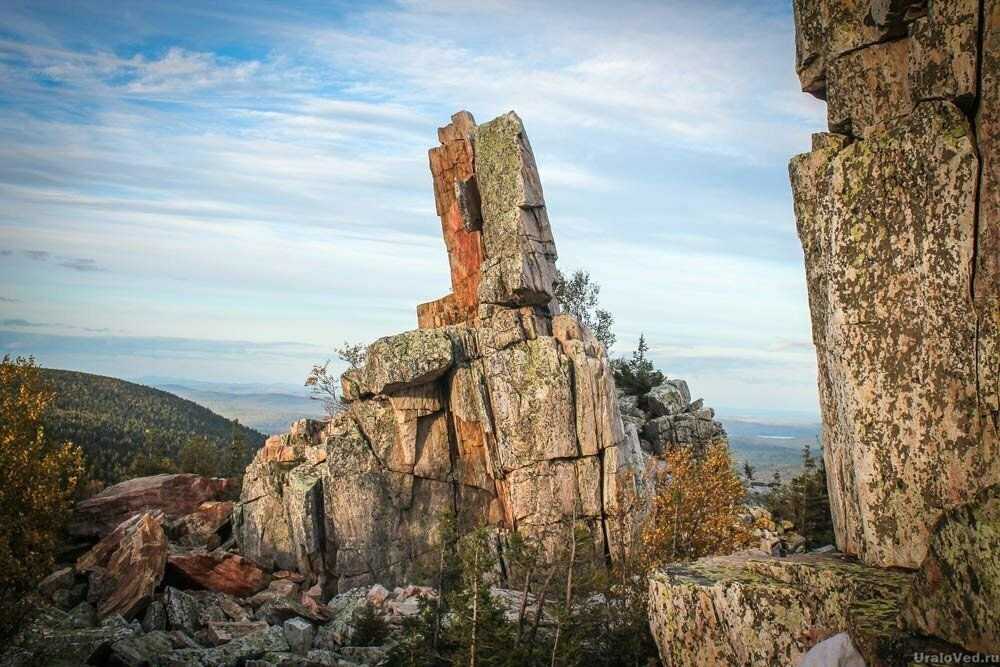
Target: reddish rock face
<point x="440" y="313"/>
<point x="457" y="200"/>
<point x="200" y="527"/>
<point x="219" y="571"/>
<point x="174" y="495"/>
<point x="126" y="566"/>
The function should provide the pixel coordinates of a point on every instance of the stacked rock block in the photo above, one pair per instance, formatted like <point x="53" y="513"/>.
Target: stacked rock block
<point x="496" y="410"/>
<point x="898" y="211"/>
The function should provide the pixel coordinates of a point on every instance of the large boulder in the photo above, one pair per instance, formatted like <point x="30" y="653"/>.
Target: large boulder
<point x="218" y="571"/>
<point x="956" y="593"/>
<point x="173" y="495"/>
<point x="756" y="611"/>
<point x="126" y="566"/>
<point x="201" y="527"/>
<point x="669" y="398"/>
<point x="401" y="361"/>
<point x="498" y="410"/>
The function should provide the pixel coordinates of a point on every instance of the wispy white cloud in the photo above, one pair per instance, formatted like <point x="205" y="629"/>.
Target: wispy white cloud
<point x="270" y="176"/>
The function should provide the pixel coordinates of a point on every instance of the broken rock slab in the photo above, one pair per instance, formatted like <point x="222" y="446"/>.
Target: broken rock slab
<point x="201" y="527"/>
<point x="218" y="571"/>
<point x="126" y="566"/>
<point x="174" y="495"/>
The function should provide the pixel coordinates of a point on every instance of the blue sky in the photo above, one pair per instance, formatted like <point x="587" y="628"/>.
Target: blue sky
<point x="227" y="193"/>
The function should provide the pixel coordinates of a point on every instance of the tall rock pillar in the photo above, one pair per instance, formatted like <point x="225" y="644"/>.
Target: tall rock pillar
<point x="898" y="212"/>
<point x="496" y="411"/>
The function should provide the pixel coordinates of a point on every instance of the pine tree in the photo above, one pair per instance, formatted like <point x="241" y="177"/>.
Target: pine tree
<point x="236" y="460"/>
<point x="199" y="456"/>
<point x="805" y="501"/>
<point x="637" y="375"/>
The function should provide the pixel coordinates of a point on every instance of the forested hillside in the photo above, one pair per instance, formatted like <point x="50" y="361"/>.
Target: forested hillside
<point x="126" y="428"/>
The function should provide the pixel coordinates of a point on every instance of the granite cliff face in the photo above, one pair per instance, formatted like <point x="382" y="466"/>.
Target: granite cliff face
<point x="498" y="409"/>
<point x="898" y="211"/>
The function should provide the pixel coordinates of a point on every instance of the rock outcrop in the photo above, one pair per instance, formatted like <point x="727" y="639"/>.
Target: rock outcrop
<point x="497" y="410"/>
<point x="895" y="212"/>
<point x="665" y="418"/>
<point x="173" y="495"/>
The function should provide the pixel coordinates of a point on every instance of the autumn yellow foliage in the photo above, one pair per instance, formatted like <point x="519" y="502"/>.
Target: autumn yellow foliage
<point x="697" y="508"/>
<point x="38" y="480"/>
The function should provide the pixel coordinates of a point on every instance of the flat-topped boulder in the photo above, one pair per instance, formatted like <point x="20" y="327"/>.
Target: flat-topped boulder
<point x="397" y="362"/>
<point x="754" y="610"/>
<point x="219" y="571"/>
<point x="173" y="495"/>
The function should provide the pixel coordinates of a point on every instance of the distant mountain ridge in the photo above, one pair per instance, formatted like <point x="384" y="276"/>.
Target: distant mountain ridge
<point x="269" y="408"/>
<point x="112" y="420"/>
<point x="771" y="446"/>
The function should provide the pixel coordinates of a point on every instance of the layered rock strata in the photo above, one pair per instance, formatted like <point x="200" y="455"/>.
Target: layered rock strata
<point x="898" y="216"/>
<point x="497" y="410"/>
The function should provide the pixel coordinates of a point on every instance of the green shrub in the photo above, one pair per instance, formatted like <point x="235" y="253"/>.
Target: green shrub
<point x="369" y="628"/>
<point x="38" y="480"/>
